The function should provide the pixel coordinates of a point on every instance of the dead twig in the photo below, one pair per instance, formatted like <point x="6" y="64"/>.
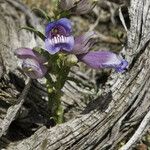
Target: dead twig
<point x="122" y="19"/>
<point x="138" y="132"/>
<point x="13" y="110"/>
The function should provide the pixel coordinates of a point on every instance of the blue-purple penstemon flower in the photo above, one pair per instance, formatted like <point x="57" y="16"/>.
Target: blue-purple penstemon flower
<point x="33" y="64"/>
<point x="103" y="59"/>
<point x="59" y="36"/>
<point x="96" y="59"/>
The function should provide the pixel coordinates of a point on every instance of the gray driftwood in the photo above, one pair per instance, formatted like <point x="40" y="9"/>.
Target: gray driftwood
<point x="120" y="112"/>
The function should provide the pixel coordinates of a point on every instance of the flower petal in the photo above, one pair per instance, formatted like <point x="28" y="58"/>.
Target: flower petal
<point x="33" y="69"/>
<point x="64" y="22"/>
<point x="33" y="62"/>
<point x="59" y="43"/>
<point x="59" y="36"/>
<point x="49" y="27"/>
<point x="24" y="53"/>
<point x="122" y="66"/>
<point x="50" y="47"/>
<point x="83" y="43"/>
<point x="68" y="46"/>
<point x="103" y="59"/>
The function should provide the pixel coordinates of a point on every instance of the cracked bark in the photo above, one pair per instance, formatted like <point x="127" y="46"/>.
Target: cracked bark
<point x="107" y="119"/>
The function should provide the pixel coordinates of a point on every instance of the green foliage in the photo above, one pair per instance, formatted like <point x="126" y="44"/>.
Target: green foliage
<point x="36" y="32"/>
<point x="42" y="13"/>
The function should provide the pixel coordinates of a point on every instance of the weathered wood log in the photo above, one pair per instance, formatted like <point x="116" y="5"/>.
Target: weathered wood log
<point x="114" y="115"/>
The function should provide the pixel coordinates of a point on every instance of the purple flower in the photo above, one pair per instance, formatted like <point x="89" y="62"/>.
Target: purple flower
<point x="33" y="62"/>
<point x="83" y="43"/>
<point x="103" y="59"/>
<point x="58" y="36"/>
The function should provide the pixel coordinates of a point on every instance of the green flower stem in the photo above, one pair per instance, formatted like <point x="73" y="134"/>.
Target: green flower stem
<point x="51" y="93"/>
<point x="54" y="94"/>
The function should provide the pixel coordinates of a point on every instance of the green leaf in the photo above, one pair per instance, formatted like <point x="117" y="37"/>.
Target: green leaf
<point x="42" y="13"/>
<point x="38" y="49"/>
<point x="41" y="35"/>
<point x="64" y="14"/>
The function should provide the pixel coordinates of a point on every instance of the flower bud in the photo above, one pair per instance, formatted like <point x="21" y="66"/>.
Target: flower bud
<point x="71" y="60"/>
<point x="34" y="65"/>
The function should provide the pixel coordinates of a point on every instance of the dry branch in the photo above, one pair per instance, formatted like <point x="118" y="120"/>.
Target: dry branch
<point x="13" y="110"/>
